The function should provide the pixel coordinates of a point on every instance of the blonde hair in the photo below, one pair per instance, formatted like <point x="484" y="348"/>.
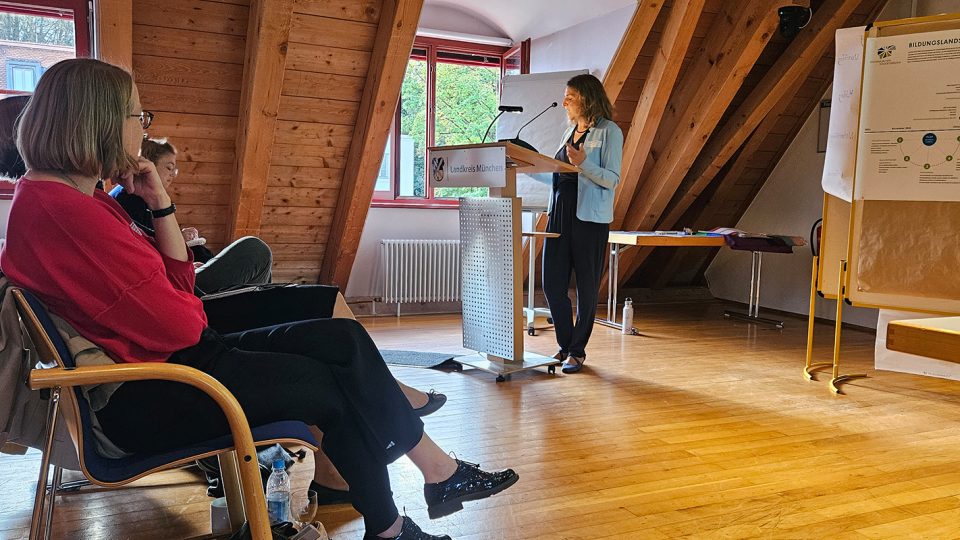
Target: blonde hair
<point x="593" y="98"/>
<point x="154" y="149"/>
<point x="74" y="123"/>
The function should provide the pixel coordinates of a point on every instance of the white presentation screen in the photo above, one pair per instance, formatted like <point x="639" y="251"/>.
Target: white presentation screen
<point x="534" y="92"/>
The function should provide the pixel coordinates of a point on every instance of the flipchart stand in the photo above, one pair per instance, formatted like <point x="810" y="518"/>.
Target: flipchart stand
<point x="491" y="247"/>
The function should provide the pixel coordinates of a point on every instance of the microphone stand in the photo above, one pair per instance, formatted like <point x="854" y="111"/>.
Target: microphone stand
<point x="490" y="126"/>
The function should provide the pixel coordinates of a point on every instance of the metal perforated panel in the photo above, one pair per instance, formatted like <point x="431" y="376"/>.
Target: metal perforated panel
<point x="487" y="259"/>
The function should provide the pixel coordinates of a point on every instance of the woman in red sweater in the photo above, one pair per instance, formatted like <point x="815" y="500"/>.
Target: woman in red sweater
<point x="133" y="296"/>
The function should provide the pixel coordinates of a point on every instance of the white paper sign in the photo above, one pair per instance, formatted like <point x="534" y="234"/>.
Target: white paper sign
<point x="909" y="143"/>
<point x="468" y="167"/>
<point x="841" y="160"/>
<point x="909" y="363"/>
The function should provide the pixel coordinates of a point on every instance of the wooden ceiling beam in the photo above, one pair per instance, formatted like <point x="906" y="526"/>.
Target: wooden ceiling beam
<point x="742" y="36"/>
<point x="268" y="30"/>
<point x="629" y="50"/>
<point x="795" y="64"/>
<point x="677" y="34"/>
<point x="388" y="63"/>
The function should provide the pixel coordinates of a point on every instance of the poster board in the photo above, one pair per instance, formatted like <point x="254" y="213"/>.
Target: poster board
<point x="841" y="159"/>
<point x="833" y="244"/>
<point x="534" y="92"/>
<point x="904" y="242"/>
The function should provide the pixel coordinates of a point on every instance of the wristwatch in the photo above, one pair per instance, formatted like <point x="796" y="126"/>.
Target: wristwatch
<point x="163" y="211"/>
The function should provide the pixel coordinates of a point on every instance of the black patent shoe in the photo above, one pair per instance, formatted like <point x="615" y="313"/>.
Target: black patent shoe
<point x="435" y="400"/>
<point x="409" y="531"/>
<point x="468" y="483"/>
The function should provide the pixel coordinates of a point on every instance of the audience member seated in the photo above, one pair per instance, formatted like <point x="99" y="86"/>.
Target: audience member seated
<point x="328" y="483"/>
<point x="11" y="164"/>
<point x="246" y="261"/>
<point x="134" y="297"/>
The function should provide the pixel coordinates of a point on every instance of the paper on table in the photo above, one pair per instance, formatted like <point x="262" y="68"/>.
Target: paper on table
<point x="841" y="159"/>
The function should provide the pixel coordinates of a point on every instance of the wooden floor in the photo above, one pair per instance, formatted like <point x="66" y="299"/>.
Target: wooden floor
<point x="701" y="427"/>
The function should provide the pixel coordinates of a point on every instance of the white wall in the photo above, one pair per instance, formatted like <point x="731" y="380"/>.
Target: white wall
<point x="589" y="45"/>
<point x="789" y="202"/>
<point x="451" y="19"/>
<point x="397" y="224"/>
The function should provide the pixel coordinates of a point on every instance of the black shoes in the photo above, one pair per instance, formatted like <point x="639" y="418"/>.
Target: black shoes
<point x="435" y="400"/>
<point x="409" y="531"/>
<point x="468" y="483"/>
<point x="327" y="495"/>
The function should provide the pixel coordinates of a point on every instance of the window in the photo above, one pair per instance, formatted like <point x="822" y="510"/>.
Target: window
<point x="33" y="37"/>
<point x="23" y="75"/>
<point x="449" y="96"/>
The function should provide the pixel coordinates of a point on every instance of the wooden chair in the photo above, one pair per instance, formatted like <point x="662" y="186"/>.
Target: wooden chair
<point x="56" y="371"/>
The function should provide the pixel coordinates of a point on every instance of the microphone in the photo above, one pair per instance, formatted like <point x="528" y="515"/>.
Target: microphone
<point x="520" y="142"/>
<point x="502" y="109"/>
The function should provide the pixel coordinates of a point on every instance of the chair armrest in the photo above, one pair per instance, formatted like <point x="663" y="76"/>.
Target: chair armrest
<point x="255" y="505"/>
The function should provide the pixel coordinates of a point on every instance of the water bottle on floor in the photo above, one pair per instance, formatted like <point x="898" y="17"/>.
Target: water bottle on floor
<point x="278" y="493"/>
<point x="627" y="327"/>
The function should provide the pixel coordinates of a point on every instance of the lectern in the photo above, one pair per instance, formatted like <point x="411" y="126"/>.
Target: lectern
<point x="491" y="249"/>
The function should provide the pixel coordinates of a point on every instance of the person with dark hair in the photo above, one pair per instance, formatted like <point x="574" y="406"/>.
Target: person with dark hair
<point x="134" y="297"/>
<point x="245" y="261"/>
<point x="580" y="210"/>
<point x="11" y="164"/>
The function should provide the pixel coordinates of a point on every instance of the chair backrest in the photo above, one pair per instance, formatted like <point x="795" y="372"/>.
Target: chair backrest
<point x="53" y="353"/>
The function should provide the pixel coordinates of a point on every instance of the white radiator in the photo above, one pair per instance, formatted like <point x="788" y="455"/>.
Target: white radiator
<point x="420" y="270"/>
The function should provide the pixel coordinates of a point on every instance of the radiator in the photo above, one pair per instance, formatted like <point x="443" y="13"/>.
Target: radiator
<point x="420" y="270"/>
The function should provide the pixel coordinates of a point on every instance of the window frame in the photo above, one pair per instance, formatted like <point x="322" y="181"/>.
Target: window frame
<point x="79" y="10"/>
<point x="433" y="49"/>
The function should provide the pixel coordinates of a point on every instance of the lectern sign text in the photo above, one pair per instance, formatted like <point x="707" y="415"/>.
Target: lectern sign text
<point x="468" y="167"/>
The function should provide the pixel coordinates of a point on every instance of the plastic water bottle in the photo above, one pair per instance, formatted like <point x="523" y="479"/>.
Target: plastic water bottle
<point x="627" y="327"/>
<point x="278" y="493"/>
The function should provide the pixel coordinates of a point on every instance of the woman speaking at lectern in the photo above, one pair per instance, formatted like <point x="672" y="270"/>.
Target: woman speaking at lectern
<point x="580" y="210"/>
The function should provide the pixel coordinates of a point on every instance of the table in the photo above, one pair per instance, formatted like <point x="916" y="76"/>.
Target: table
<point x="622" y="240"/>
<point x="530" y="311"/>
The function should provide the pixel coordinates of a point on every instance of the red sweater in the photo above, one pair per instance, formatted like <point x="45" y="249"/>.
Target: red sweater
<point x="85" y="259"/>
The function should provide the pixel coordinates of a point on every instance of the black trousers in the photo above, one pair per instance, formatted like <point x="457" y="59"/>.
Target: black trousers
<point x="580" y="250"/>
<point x="325" y="372"/>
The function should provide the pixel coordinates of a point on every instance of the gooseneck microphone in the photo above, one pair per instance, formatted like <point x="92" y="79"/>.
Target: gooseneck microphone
<point x="520" y="142"/>
<point x="502" y="109"/>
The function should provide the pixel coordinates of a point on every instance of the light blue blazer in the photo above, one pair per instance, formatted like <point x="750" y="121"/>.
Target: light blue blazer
<point x="599" y="172"/>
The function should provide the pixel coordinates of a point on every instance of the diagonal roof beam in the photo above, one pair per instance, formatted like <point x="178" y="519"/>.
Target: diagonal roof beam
<point x="629" y="49"/>
<point x="794" y="65"/>
<point x="657" y="88"/>
<point x="741" y="39"/>
<point x="388" y="63"/>
<point x="266" y="56"/>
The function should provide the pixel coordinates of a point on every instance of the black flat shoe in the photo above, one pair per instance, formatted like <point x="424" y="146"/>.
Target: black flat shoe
<point x="435" y="400"/>
<point x="327" y="495"/>
<point x="468" y="483"/>
<point x="409" y="531"/>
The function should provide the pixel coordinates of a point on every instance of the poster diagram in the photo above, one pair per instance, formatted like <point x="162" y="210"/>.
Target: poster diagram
<point x="909" y="143"/>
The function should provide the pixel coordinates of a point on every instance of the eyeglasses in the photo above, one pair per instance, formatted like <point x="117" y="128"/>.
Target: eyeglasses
<point x="145" y="117"/>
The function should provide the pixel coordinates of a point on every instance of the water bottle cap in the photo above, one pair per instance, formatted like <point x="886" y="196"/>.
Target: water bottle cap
<point x="628" y="300"/>
<point x="279" y="464"/>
